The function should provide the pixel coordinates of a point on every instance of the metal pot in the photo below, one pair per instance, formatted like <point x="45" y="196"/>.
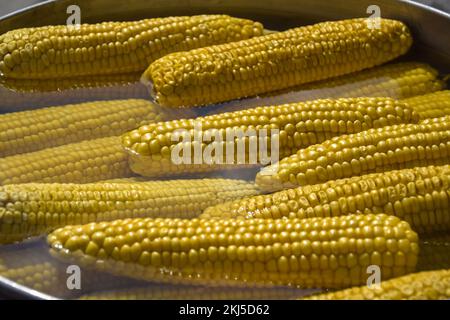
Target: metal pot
<point x="429" y="26"/>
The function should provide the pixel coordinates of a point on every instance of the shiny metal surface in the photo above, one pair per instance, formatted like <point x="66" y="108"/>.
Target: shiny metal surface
<point x="12" y="290"/>
<point x="429" y="26"/>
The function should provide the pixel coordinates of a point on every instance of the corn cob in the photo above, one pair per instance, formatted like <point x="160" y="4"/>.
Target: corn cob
<point x="309" y="253"/>
<point x="151" y="147"/>
<point x="375" y="150"/>
<point x="81" y="162"/>
<point x="34" y="130"/>
<point x="13" y="101"/>
<point x="431" y="285"/>
<point x="86" y="82"/>
<point x="419" y="196"/>
<point x="41" y="277"/>
<point x="33" y="267"/>
<point x="34" y="209"/>
<point x="434" y="252"/>
<point x="396" y="80"/>
<point x="112" y="47"/>
<point x="164" y="292"/>
<point x="432" y="105"/>
<point x="274" y="61"/>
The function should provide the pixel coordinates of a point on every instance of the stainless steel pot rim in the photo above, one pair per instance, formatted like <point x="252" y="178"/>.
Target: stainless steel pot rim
<point x="19" y="291"/>
<point x="409" y="2"/>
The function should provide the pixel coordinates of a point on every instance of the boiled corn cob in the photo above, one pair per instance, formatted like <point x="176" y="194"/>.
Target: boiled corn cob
<point x="34" y="209"/>
<point x="51" y="85"/>
<point x="432" y="105"/>
<point x="13" y="101"/>
<point x="34" y="130"/>
<point x="33" y="267"/>
<point x="151" y="147"/>
<point x="431" y="285"/>
<point x="396" y="80"/>
<point x="309" y="253"/>
<point x="81" y="162"/>
<point x="112" y="47"/>
<point x="164" y="292"/>
<point x="42" y="277"/>
<point x="434" y="252"/>
<point x="274" y="61"/>
<point x="419" y="196"/>
<point x="374" y="150"/>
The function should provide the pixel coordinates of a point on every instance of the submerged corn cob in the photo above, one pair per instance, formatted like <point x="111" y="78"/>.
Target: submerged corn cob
<point x="34" y="130"/>
<point x="275" y="61"/>
<point x="29" y="86"/>
<point x="33" y="267"/>
<point x="151" y="147"/>
<point x="81" y="162"/>
<point x="419" y="196"/>
<point x="432" y="105"/>
<point x="112" y="47"/>
<point x="42" y="277"/>
<point x="309" y="253"/>
<point x="431" y="285"/>
<point x="13" y="101"/>
<point x="434" y="252"/>
<point x="375" y="150"/>
<point x="34" y="209"/>
<point x="395" y="80"/>
<point x="164" y="292"/>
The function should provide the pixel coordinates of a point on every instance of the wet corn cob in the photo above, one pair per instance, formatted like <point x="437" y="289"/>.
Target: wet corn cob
<point x="395" y="80"/>
<point x="56" y="52"/>
<point x="34" y="209"/>
<point x="151" y="147"/>
<point x="374" y="150"/>
<point x="419" y="196"/>
<point x="432" y="105"/>
<point x="81" y="162"/>
<point x="33" y="267"/>
<point x="29" y="86"/>
<point x="434" y="252"/>
<point x="431" y="285"/>
<point x="28" y="131"/>
<point x="30" y="267"/>
<point x="164" y="292"/>
<point x="13" y="101"/>
<point x="309" y="253"/>
<point x="41" y="277"/>
<point x="272" y="62"/>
